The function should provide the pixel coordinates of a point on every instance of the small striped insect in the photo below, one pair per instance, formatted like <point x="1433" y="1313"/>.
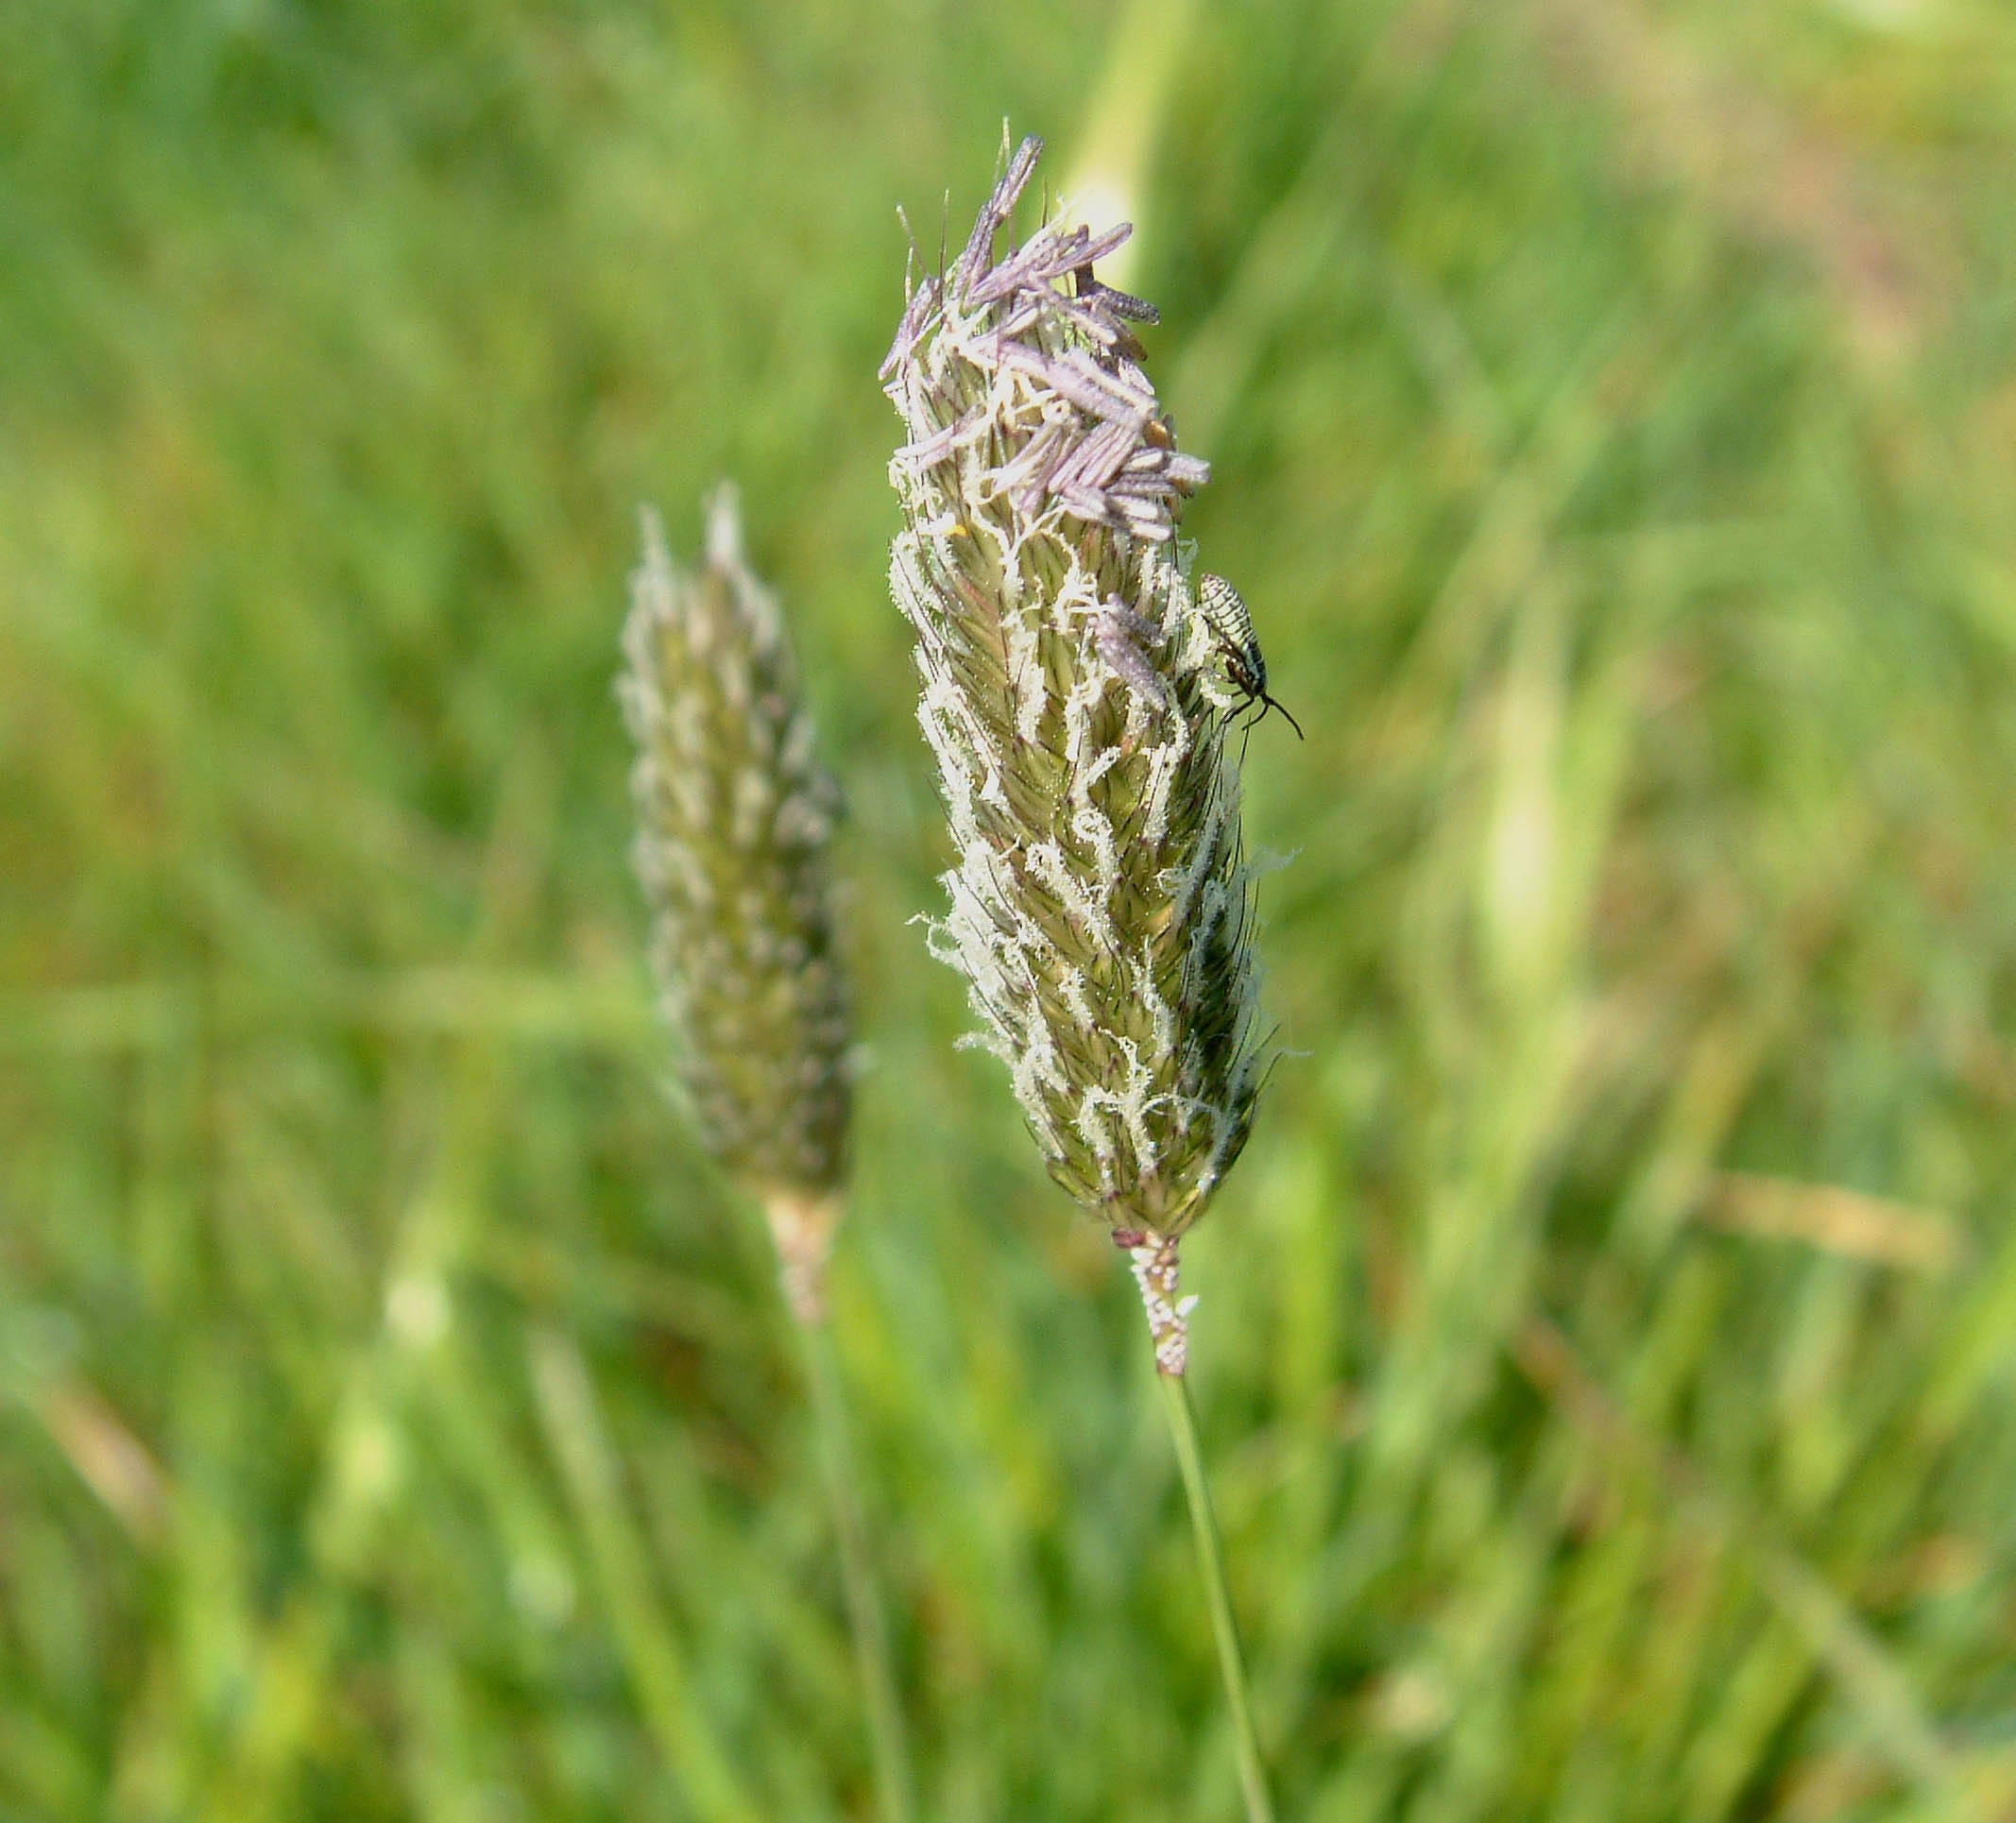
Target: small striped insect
<point x="1225" y="613"/>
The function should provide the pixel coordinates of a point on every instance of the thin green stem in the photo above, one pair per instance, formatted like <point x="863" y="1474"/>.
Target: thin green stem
<point x="667" y="1691"/>
<point x="1211" y="1560"/>
<point x="888" y="1749"/>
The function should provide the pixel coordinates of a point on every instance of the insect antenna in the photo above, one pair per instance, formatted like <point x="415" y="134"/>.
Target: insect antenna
<point x="1267" y="702"/>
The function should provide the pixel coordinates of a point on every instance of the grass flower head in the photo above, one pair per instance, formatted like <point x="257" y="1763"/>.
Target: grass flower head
<point x="734" y="818"/>
<point x="1076" y="704"/>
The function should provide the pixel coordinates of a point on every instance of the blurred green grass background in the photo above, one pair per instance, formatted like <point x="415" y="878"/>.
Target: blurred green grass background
<point x="1607" y="1346"/>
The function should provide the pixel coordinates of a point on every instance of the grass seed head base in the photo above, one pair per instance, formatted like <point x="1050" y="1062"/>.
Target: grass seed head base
<point x="802" y="1229"/>
<point x="1153" y="1258"/>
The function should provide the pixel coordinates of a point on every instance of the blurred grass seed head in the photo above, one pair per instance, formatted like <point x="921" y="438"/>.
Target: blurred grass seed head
<point x="1076" y="701"/>
<point x="734" y="820"/>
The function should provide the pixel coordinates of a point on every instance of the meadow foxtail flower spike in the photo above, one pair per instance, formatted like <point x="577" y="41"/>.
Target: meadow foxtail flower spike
<point x="734" y="818"/>
<point x="1077" y="699"/>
